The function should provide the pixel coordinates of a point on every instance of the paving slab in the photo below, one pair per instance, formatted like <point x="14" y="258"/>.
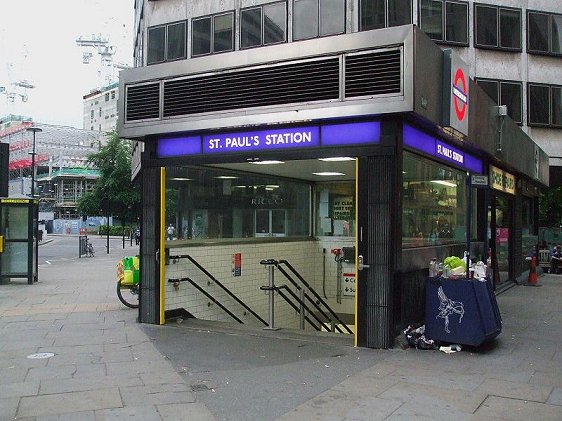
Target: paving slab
<point x="64" y="403"/>
<point x="517" y="409"/>
<point x="195" y="411"/>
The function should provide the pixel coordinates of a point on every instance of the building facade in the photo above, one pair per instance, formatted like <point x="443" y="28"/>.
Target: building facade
<point x="100" y="109"/>
<point x="323" y="139"/>
<point x="62" y="171"/>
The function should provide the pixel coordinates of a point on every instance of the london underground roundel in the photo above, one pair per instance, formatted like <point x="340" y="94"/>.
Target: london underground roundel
<point x="460" y="94"/>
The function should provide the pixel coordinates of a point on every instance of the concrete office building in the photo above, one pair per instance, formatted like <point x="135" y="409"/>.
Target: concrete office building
<point x="327" y="142"/>
<point x="100" y="109"/>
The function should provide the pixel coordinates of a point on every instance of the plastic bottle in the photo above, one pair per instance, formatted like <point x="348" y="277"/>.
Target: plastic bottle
<point x="433" y="268"/>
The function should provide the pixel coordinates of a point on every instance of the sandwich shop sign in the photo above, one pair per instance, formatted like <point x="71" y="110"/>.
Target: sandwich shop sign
<point x="502" y="180"/>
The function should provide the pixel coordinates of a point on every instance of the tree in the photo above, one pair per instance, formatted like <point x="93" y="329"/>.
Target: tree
<point x="114" y="193"/>
<point x="550" y="207"/>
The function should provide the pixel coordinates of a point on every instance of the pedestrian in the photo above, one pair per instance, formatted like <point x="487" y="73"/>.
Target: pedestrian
<point x="556" y="259"/>
<point x="170" y="232"/>
<point x="137" y="235"/>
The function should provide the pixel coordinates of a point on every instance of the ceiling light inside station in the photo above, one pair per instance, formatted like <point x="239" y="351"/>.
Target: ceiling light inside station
<point x="337" y="159"/>
<point x="272" y="162"/>
<point x="327" y="173"/>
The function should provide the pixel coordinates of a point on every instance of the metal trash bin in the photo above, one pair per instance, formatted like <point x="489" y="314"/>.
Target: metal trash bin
<point x="461" y="311"/>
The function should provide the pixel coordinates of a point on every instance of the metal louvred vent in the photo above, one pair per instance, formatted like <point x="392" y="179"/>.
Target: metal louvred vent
<point x="143" y="102"/>
<point x="314" y="80"/>
<point x="375" y="73"/>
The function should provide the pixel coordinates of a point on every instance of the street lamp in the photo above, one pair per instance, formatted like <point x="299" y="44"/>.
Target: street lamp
<point x="34" y="130"/>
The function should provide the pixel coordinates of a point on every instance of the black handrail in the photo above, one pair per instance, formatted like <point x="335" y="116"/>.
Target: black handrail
<point x="285" y="262"/>
<point x="305" y="307"/>
<point x="315" y="304"/>
<point x="209" y="296"/>
<point x="216" y="281"/>
<point x="297" y="309"/>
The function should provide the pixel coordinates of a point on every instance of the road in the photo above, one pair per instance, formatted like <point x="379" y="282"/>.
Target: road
<point x="63" y="248"/>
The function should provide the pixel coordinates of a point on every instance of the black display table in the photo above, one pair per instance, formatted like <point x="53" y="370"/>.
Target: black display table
<point x="461" y="311"/>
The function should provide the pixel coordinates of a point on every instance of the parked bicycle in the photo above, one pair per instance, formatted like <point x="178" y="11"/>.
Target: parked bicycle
<point x="89" y="248"/>
<point x="128" y="281"/>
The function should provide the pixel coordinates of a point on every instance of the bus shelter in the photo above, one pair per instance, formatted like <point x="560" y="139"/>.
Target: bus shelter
<point x="18" y="239"/>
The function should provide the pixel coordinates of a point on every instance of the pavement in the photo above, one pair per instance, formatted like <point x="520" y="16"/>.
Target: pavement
<point x="106" y="366"/>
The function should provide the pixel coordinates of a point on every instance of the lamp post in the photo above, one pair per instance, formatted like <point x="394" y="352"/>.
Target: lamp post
<point x="34" y="130"/>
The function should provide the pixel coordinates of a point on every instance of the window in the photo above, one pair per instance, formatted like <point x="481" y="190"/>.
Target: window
<point x="434" y="204"/>
<point x="505" y="93"/>
<point x="107" y="97"/>
<point x="314" y="18"/>
<point x="449" y="27"/>
<point x="212" y="34"/>
<point x="497" y="27"/>
<point x="166" y="43"/>
<point x="208" y="203"/>
<point x="112" y="94"/>
<point x="263" y="25"/>
<point x="375" y="14"/>
<point x="544" y="33"/>
<point x="335" y="209"/>
<point x="545" y="105"/>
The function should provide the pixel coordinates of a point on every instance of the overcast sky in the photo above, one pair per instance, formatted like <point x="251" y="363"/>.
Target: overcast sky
<point x="38" y="44"/>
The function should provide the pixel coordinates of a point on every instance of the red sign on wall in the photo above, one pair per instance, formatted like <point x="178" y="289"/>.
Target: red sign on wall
<point x="237" y="264"/>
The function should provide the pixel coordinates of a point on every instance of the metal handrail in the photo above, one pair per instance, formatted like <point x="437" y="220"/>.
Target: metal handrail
<point x="216" y="281"/>
<point x="209" y="296"/>
<point x="308" y="287"/>
<point x="314" y="304"/>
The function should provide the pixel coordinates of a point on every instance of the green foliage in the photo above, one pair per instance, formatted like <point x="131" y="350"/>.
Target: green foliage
<point x="114" y="194"/>
<point x="115" y="230"/>
<point x="550" y="207"/>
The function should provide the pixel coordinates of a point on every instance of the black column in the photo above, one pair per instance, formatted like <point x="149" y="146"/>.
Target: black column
<point x="379" y="231"/>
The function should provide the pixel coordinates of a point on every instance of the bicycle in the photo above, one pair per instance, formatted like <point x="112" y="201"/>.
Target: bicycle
<point x="128" y="281"/>
<point x="89" y="248"/>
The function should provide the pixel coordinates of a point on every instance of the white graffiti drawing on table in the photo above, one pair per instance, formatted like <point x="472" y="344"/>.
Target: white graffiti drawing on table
<point x="448" y="307"/>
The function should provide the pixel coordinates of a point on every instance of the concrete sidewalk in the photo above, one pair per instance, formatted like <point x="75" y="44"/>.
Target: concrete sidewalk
<point x="107" y="366"/>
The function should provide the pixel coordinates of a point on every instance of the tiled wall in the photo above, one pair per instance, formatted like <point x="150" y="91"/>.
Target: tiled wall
<point x="309" y="258"/>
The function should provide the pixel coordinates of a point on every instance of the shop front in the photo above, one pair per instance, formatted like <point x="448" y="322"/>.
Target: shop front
<point x="341" y="201"/>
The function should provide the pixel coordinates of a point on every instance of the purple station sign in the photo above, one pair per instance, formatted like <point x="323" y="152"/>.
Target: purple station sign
<point x="430" y="145"/>
<point x="347" y="134"/>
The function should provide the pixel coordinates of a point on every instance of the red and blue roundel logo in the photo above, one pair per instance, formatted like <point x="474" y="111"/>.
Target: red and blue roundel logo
<point x="460" y="94"/>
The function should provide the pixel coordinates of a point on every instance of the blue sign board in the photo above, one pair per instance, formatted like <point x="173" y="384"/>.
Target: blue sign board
<point x="331" y="135"/>
<point x="430" y="145"/>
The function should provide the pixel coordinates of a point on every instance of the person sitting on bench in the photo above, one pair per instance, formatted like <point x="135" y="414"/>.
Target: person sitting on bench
<point x="556" y="260"/>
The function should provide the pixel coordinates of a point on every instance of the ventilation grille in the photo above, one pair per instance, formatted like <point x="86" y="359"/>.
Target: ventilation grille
<point x="143" y="101"/>
<point x="291" y="83"/>
<point x="366" y="74"/>
<point x="375" y="73"/>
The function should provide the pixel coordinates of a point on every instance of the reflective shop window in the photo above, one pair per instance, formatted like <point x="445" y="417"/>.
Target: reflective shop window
<point x="156" y="45"/>
<point x="545" y="105"/>
<point x="212" y="34"/>
<point x="314" y="18"/>
<point x="434" y="203"/>
<point x="335" y="209"/>
<point x="497" y="27"/>
<point x="544" y="33"/>
<point x="375" y="14"/>
<point x="263" y="25"/>
<point x="505" y="93"/>
<point x="167" y="42"/>
<point x="209" y="203"/>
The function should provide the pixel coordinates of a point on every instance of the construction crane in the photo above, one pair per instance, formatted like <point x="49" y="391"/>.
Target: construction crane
<point x="102" y="47"/>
